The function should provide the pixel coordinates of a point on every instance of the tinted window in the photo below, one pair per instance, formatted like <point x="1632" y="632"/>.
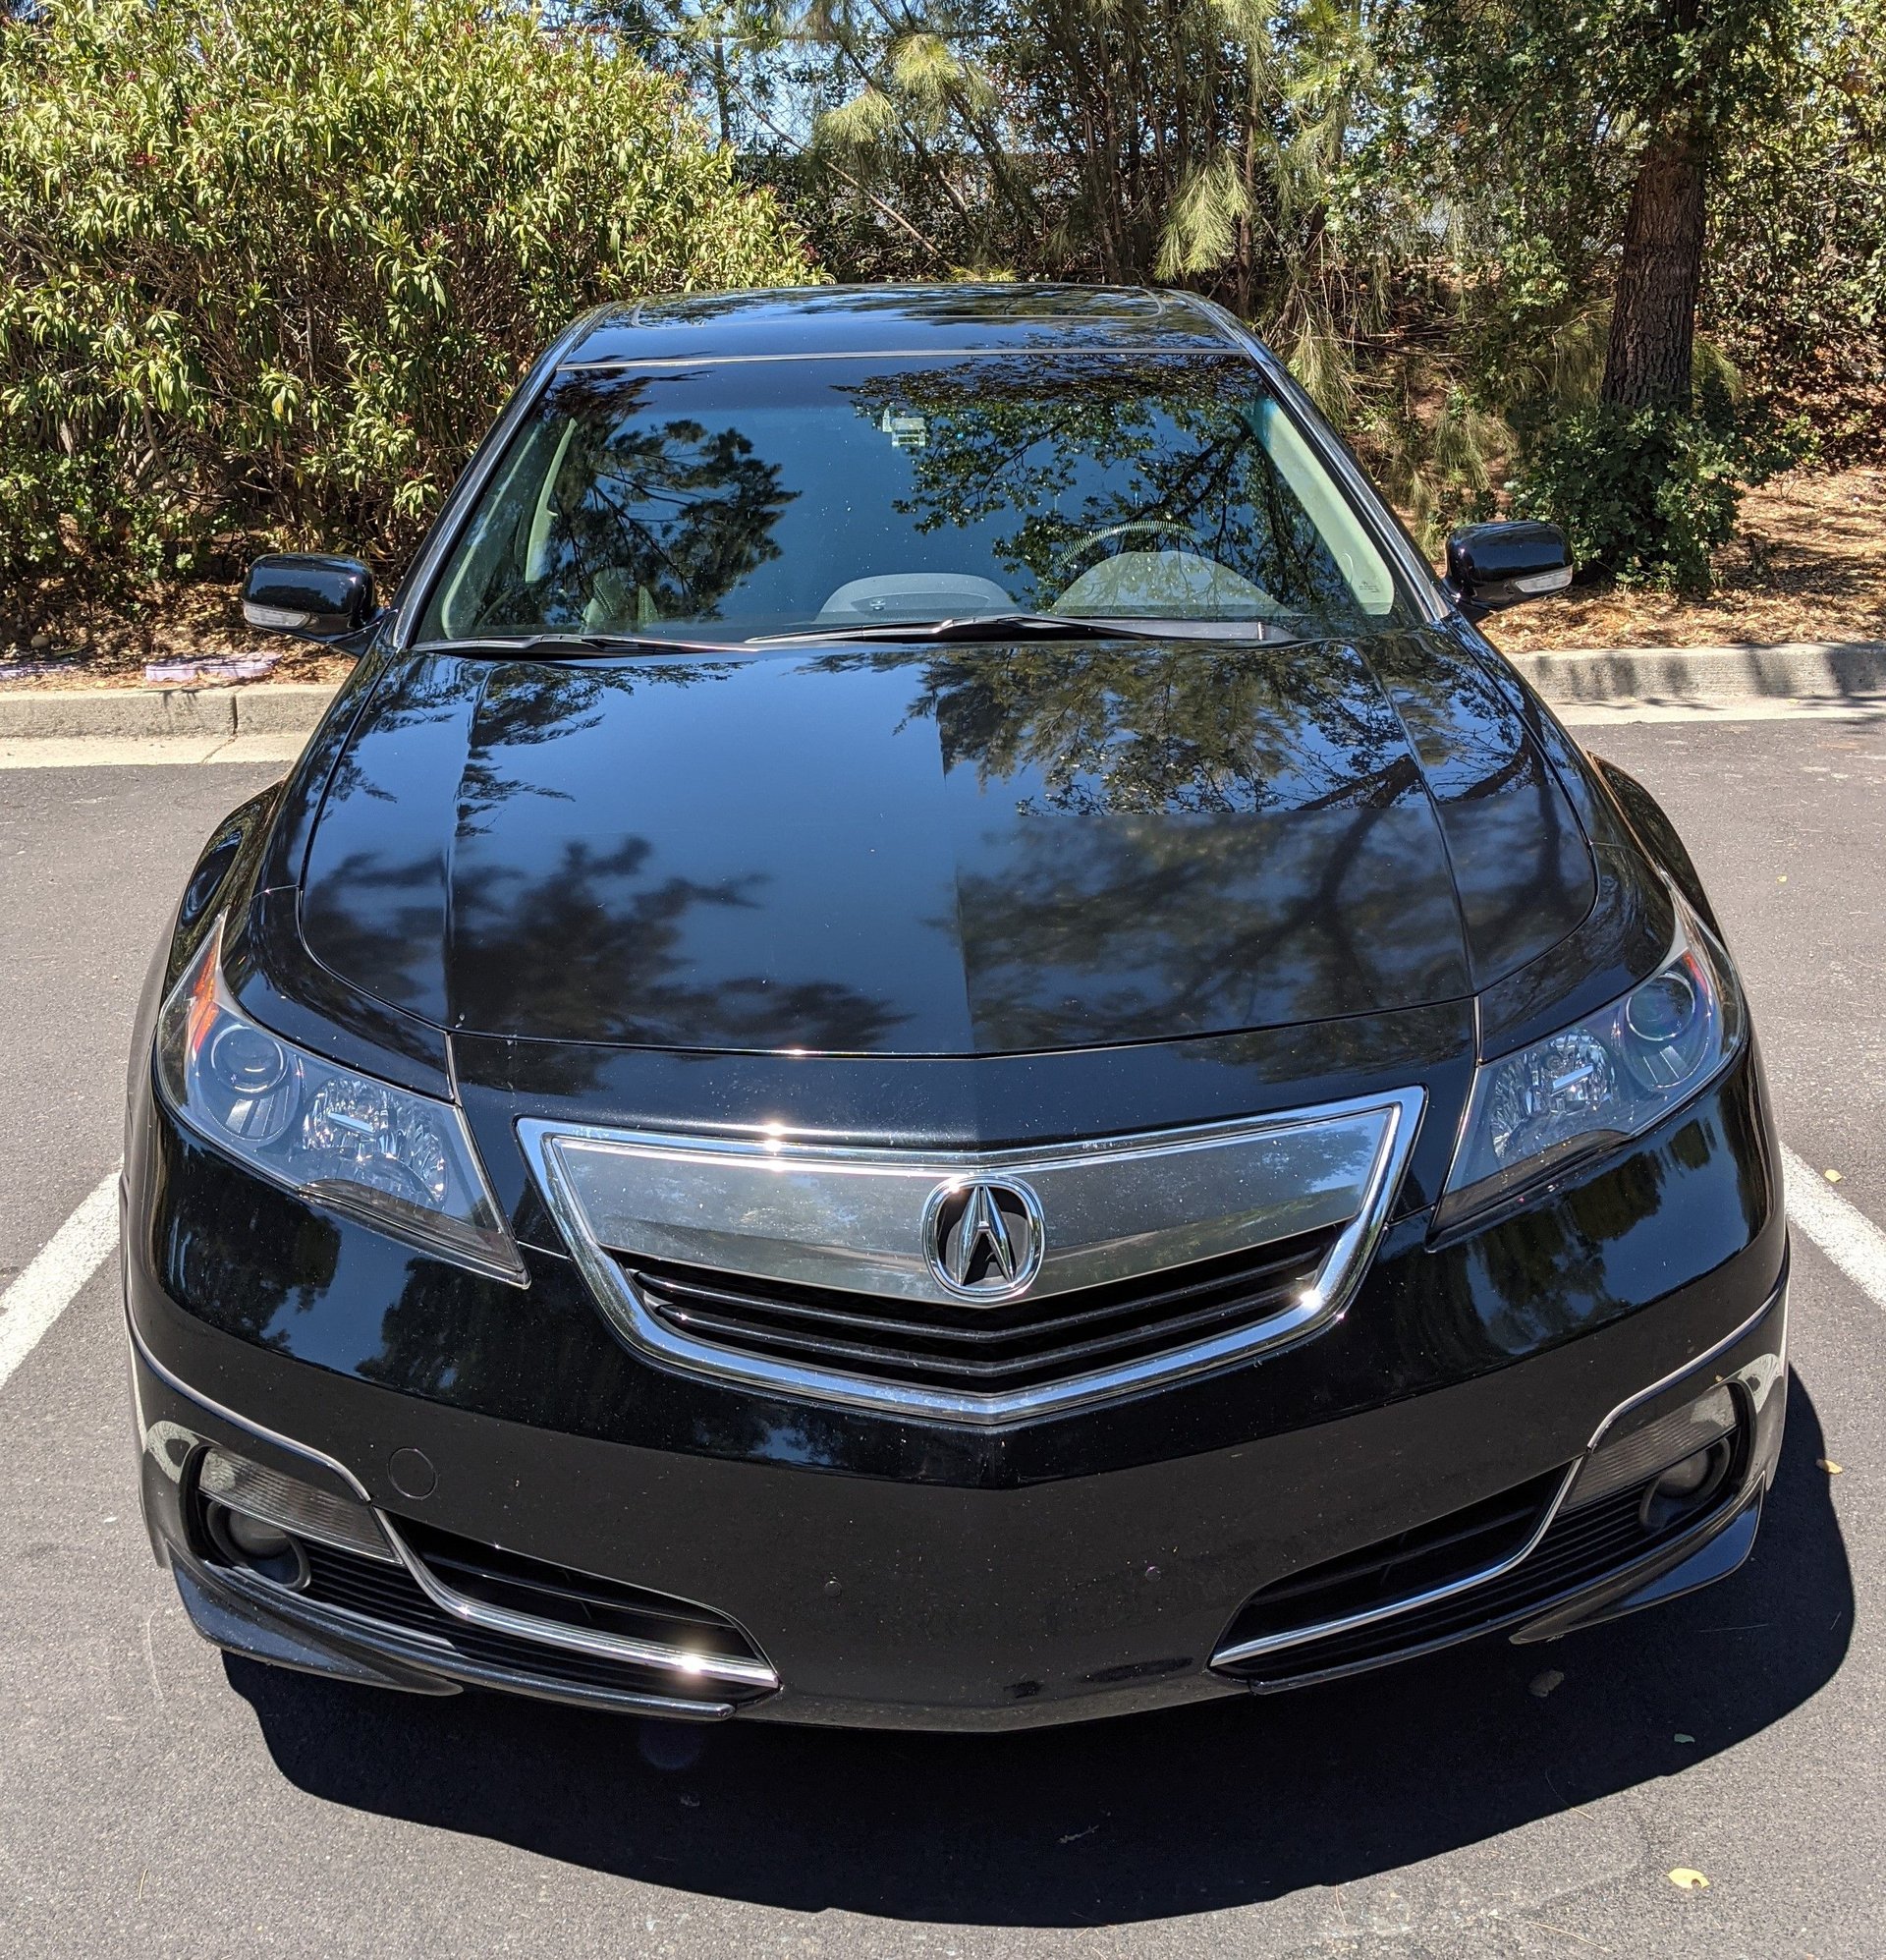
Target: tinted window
<point x="746" y="497"/>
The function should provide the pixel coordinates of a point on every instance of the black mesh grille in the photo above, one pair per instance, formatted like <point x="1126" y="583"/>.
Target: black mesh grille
<point x="1412" y="1561"/>
<point x="1022" y="1344"/>
<point x="576" y="1598"/>
<point x="389" y="1595"/>
<point x="1582" y="1548"/>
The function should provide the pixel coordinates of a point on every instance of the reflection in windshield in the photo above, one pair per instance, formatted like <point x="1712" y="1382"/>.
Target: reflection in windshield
<point x="613" y="516"/>
<point x="1108" y="499"/>
<point x="756" y="497"/>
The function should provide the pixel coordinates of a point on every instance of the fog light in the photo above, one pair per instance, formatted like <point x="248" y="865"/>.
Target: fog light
<point x="1685" y="1435"/>
<point x="251" y="1489"/>
<point x="258" y="1546"/>
<point x="1686" y="1487"/>
<point x="256" y="1540"/>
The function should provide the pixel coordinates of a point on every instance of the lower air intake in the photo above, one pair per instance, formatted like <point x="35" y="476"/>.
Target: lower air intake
<point x="389" y="1596"/>
<point x="490" y="1616"/>
<point x="1579" y="1550"/>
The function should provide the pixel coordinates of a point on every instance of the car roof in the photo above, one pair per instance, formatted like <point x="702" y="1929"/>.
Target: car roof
<point x="895" y="319"/>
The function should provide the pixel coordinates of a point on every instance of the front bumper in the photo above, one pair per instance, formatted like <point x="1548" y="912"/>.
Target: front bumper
<point x="903" y="1605"/>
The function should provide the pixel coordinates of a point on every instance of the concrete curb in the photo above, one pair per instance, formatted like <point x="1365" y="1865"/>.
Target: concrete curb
<point x="1821" y="671"/>
<point x="1827" y="673"/>
<point x="261" y="708"/>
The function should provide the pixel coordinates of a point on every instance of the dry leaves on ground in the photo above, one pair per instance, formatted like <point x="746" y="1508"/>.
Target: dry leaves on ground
<point x="1809" y="563"/>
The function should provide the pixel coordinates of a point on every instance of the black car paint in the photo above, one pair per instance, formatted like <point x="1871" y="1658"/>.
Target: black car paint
<point x="1008" y="851"/>
<point x="350" y="940"/>
<point x="330" y="598"/>
<point x="259" y="1264"/>
<point x="1485" y="563"/>
<point x="890" y="1601"/>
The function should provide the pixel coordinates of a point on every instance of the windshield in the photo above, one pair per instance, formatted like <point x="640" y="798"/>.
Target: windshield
<point x="739" y="499"/>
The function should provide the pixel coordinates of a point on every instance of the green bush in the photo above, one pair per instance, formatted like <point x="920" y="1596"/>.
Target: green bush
<point x="1647" y="494"/>
<point x="267" y="268"/>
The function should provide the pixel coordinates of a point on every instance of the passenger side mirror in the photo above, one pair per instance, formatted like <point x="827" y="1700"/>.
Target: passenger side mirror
<point x="308" y="595"/>
<point x="1495" y="565"/>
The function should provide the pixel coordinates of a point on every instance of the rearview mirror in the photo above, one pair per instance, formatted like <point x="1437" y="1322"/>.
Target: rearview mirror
<point x="308" y="595"/>
<point x="1495" y="565"/>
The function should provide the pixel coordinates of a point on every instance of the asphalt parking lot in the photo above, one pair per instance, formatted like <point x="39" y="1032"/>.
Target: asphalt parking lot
<point x="155" y="1799"/>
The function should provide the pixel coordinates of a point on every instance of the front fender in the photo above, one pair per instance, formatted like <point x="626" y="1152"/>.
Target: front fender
<point x="226" y="864"/>
<point x="1656" y="835"/>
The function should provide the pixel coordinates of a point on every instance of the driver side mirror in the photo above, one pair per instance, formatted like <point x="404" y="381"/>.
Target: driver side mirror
<point x="1495" y="565"/>
<point x="308" y="595"/>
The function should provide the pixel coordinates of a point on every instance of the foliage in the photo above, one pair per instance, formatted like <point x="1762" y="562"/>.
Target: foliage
<point x="1647" y="494"/>
<point x="1421" y="205"/>
<point x="271" y="265"/>
<point x="1797" y="237"/>
<point x="1534" y="131"/>
<point x="1534" y="125"/>
<point x="1217" y="142"/>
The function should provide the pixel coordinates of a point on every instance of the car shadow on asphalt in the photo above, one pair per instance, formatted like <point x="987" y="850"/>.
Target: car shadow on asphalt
<point x="1223" y="1805"/>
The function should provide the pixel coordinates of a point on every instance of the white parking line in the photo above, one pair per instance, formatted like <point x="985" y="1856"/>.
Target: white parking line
<point x="62" y="1265"/>
<point x="1841" y="1230"/>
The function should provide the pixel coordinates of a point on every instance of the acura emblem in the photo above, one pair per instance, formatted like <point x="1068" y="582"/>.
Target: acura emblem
<point x="984" y="1240"/>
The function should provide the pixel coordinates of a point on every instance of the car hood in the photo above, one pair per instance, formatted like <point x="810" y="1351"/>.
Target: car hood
<point x="967" y="850"/>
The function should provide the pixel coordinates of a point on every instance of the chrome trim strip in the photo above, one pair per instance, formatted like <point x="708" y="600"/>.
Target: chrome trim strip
<point x="1246" y="1650"/>
<point x="1675" y="1374"/>
<point x="427" y="1650"/>
<point x="474" y="1613"/>
<point x="577" y="1640"/>
<point x="171" y="1379"/>
<point x="1323" y="1301"/>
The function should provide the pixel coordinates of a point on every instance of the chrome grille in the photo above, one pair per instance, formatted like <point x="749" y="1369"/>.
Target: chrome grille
<point x="1022" y="1344"/>
<point x="811" y="1268"/>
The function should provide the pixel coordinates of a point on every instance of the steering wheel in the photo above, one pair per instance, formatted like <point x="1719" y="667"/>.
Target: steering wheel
<point x="1110" y="540"/>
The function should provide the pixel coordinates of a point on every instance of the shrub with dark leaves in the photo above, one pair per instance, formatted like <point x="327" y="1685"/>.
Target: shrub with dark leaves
<point x="267" y="268"/>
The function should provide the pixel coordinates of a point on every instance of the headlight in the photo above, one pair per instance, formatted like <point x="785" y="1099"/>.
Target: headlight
<point x="1606" y="1078"/>
<point x="400" y="1163"/>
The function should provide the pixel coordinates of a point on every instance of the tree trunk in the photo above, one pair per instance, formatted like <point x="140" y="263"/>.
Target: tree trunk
<point x="721" y="103"/>
<point x="1653" y="320"/>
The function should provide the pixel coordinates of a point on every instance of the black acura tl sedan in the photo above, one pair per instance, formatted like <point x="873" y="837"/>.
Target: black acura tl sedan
<point x="930" y="1041"/>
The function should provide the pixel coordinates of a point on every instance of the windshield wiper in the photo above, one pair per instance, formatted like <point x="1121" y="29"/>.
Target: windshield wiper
<point x="575" y="645"/>
<point x="988" y="626"/>
<point x="972" y="626"/>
